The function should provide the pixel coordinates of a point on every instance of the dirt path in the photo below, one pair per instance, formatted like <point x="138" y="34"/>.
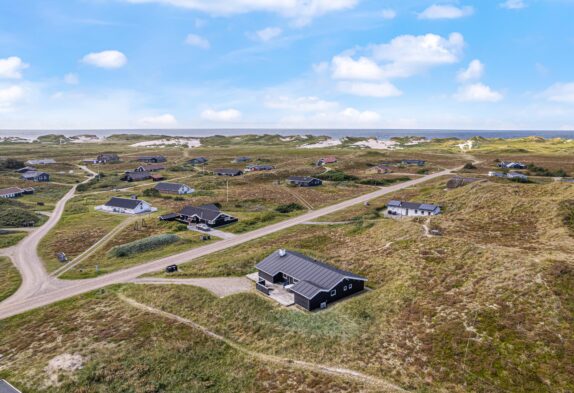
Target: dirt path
<point x="220" y="286"/>
<point x="285" y="362"/>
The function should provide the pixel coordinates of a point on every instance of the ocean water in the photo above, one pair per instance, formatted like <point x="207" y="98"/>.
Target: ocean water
<point x="335" y="133"/>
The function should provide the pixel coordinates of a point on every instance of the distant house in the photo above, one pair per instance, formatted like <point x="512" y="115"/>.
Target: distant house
<point x="314" y="284"/>
<point x="6" y="387"/>
<point x="379" y="169"/>
<point x="511" y="165"/>
<point x="26" y="169"/>
<point x="241" y="159"/>
<point x="106" y="158"/>
<point x="228" y="172"/>
<point x="198" y="161"/>
<point x="206" y="214"/>
<point x="412" y="209"/>
<point x="155" y="177"/>
<point x="126" y="206"/>
<point x="413" y="162"/>
<point x="136" y="176"/>
<point x="304" y="181"/>
<point x="257" y="168"/>
<point x="327" y="160"/>
<point x="516" y="176"/>
<point x="174" y="188"/>
<point x="35" y="176"/>
<point x="43" y="161"/>
<point x="496" y="174"/>
<point x="11" y="192"/>
<point x="149" y="168"/>
<point x="458" y="181"/>
<point x="152" y="159"/>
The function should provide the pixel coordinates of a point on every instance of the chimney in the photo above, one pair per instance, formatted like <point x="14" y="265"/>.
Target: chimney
<point x="282" y="252"/>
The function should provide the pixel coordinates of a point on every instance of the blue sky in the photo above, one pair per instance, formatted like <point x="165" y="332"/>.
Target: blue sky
<point x="89" y="64"/>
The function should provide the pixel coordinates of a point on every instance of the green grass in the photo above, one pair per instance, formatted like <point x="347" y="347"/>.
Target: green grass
<point x="11" y="279"/>
<point x="12" y="238"/>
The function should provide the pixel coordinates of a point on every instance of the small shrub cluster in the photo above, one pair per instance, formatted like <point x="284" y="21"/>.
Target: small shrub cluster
<point x="143" y="245"/>
<point x="11" y="164"/>
<point x="151" y="192"/>
<point x="567" y="212"/>
<point x="337" y="176"/>
<point x="14" y="217"/>
<point x="383" y="182"/>
<point x="469" y="166"/>
<point x="288" y="208"/>
<point x="540" y="171"/>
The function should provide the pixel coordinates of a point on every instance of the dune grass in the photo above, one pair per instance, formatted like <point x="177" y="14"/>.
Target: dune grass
<point x="11" y="279"/>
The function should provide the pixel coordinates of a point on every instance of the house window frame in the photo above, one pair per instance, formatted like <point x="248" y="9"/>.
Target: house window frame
<point x="345" y="288"/>
<point x="350" y="285"/>
<point x="333" y="292"/>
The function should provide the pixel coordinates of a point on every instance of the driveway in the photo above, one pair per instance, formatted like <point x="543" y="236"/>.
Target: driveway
<point x="220" y="286"/>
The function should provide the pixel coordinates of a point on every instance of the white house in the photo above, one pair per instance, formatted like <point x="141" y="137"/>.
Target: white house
<point x="126" y="206"/>
<point x="411" y="209"/>
<point x="496" y="174"/>
<point x="174" y="188"/>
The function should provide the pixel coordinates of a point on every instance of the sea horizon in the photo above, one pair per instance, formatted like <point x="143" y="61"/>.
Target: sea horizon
<point x="381" y="134"/>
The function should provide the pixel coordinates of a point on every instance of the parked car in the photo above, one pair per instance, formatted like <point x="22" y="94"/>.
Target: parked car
<point x="171" y="269"/>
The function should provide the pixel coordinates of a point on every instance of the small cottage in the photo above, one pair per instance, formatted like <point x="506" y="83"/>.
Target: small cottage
<point x="413" y="162"/>
<point x="228" y="172"/>
<point x="35" y="176"/>
<point x="107" y="158"/>
<point x="327" y="160"/>
<point x="152" y="159"/>
<point x="42" y="161"/>
<point x="198" y="161"/>
<point x="149" y="168"/>
<point x="412" y="209"/>
<point x="11" y="192"/>
<point x="174" y="188"/>
<point x="511" y="165"/>
<point x="136" y="176"/>
<point x="257" y="168"/>
<point x="210" y="215"/>
<point x="126" y="206"/>
<point x="304" y="181"/>
<point x="314" y="284"/>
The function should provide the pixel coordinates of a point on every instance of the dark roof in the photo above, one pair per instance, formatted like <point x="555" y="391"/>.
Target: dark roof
<point x="261" y="167"/>
<point x="32" y="174"/>
<point x="169" y="216"/>
<point x="138" y="175"/>
<point x="314" y="276"/>
<point x="200" y="160"/>
<point x="173" y="187"/>
<point x="147" y="158"/>
<point x="242" y="159"/>
<point x="152" y="167"/>
<point x="26" y="169"/>
<point x="205" y="212"/>
<point x="413" y="161"/>
<point x="228" y="171"/>
<point x="301" y="179"/>
<point x="11" y="190"/>
<point x="5" y="387"/>
<point x="124" y="203"/>
<point x="412" y="205"/>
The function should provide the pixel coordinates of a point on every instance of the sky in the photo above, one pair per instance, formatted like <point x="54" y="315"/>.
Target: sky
<point x="391" y="64"/>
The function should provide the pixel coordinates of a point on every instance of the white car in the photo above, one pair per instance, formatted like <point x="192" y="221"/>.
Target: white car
<point x="203" y="227"/>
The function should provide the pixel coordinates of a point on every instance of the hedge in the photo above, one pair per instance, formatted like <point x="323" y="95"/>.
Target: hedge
<point x="143" y="245"/>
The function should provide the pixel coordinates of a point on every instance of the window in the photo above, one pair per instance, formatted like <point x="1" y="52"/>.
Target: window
<point x="350" y="286"/>
<point x="295" y="281"/>
<point x="345" y="288"/>
<point x="333" y="292"/>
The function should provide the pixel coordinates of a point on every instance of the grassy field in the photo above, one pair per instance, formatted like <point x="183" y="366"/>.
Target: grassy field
<point x="123" y="349"/>
<point x="486" y="307"/>
<point x="11" y="279"/>
<point x="11" y="238"/>
<point x="141" y="228"/>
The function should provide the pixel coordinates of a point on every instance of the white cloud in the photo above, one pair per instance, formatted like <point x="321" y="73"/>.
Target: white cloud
<point x="159" y="121"/>
<point x="474" y="71"/>
<point x="197" y="41"/>
<point x="445" y="12"/>
<point x="10" y="96"/>
<point x="513" y="4"/>
<point x="477" y="92"/>
<point x="226" y="115"/>
<point x="361" y="117"/>
<point x="560" y="92"/>
<point x="379" y="90"/>
<point x="407" y="55"/>
<point x="268" y="33"/>
<point x="302" y="11"/>
<point x="345" y="67"/>
<point x="71" y="79"/>
<point x="388" y="14"/>
<point x="300" y="104"/>
<point x="12" y="67"/>
<point x="109" y="59"/>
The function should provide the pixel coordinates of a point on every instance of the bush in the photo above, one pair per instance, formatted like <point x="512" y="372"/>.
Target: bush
<point x="539" y="171"/>
<point x="14" y="217"/>
<point x="151" y="192"/>
<point x="469" y="166"/>
<point x="11" y="164"/>
<point x="291" y="207"/>
<point x="337" y="176"/>
<point x="567" y="210"/>
<point x="143" y="245"/>
<point x="383" y="182"/>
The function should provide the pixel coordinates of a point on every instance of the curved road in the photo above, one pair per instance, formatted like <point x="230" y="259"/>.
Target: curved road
<point x="39" y="289"/>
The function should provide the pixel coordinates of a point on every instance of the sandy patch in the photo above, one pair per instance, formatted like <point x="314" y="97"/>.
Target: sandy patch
<point x="85" y="139"/>
<point x="468" y="145"/>
<point x="170" y="142"/>
<point x="65" y="363"/>
<point x="378" y="144"/>
<point x="15" y="139"/>
<point x="325" y="143"/>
